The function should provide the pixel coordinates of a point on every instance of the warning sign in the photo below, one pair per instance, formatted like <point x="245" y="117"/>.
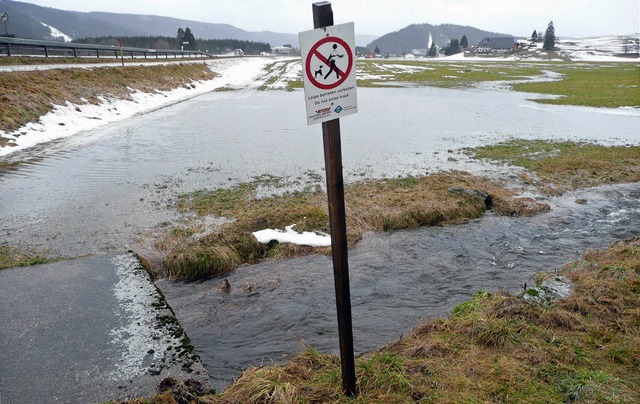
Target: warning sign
<point x="329" y="75"/>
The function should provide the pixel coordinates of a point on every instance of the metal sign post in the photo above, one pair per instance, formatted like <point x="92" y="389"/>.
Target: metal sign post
<point x="334" y="91"/>
<point x="4" y="17"/>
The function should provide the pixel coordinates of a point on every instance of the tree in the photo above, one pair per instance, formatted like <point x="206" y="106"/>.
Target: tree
<point x="433" y="50"/>
<point x="189" y="39"/>
<point x="376" y="51"/>
<point x="464" y="42"/>
<point x="453" y="48"/>
<point x="549" y="37"/>
<point x="180" y="35"/>
<point x="534" y="36"/>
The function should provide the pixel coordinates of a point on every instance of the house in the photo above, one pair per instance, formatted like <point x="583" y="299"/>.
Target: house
<point x="496" y="44"/>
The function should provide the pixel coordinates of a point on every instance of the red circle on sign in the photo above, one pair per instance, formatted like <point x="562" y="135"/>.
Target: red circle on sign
<point x="314" y="50"/>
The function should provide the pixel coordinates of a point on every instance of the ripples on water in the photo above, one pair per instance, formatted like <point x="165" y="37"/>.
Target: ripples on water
<point x="397" y="279"/>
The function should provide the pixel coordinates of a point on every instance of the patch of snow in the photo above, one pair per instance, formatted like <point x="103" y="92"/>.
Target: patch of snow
<point x="549" y="291"/>
<point x="141" y="339"/>
<point x="69" y="119"/>
<point x="284" y="71"/>
<point x="56" y="33"/>
<point x="291" y="236"/>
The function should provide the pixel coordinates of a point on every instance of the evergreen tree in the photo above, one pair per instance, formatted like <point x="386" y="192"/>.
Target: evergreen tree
<point x="180" y="35"/>
<point x="534" y="36"/>
<point x="376" y="51"/>
<point x="453" y="48"/>
<point x="464" y="42"/>
<point x="433" y="51"/>
<point x="549" y="37"/>
<point x="190" y="39"/>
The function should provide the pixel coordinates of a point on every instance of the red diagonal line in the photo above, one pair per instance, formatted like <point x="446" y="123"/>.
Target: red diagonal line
<point x="324" y="60"/>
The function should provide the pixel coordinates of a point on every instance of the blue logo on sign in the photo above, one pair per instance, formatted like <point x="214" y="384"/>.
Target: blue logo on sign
<point x="338" y="109"/>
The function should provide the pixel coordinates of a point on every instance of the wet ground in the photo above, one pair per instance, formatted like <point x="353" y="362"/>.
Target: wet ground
<point x="87" y="330"/>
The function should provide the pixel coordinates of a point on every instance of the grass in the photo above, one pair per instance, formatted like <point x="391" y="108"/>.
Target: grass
<point x="26" y="96"/>
<point x="36" y="60"/>
<point x="11" y="257"/>
<point x="610" y="86"/>
<point x="584" y="348"/>
<point x="381" y="205"/>
<point x="438" y="74"/>
<point x="567" y="165"/>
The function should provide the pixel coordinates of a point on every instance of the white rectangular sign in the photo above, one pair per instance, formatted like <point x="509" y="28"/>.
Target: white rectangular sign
<point x="329" y="72"/>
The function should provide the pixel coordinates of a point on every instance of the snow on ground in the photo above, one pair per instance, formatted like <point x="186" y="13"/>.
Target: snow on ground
<point x="291" y="236"/>
<point x="56" y="33"/>
<point x="67" y="120"/>
<point x="599" y="49"/>
<point x="282" y="72"/>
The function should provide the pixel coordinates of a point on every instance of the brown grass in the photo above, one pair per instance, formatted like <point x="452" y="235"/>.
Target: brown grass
<point x="381" y="205"/>
<point x="35" y="60"/>
<point x="26" y="96"/>
<point x="494" y="348"/>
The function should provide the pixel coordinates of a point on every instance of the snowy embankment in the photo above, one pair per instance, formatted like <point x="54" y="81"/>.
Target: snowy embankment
<point x="67" y="120"/>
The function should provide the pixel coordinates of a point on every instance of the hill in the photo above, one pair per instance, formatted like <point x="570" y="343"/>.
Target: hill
<point x="28" y="21"/>
<point x="415" y="36"/>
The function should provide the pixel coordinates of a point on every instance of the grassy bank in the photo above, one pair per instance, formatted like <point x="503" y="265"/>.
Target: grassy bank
<point x="380" y="205"/>
<point x="495" y="348"/>
<point x="11" y="257"/>
<point x="36" y="60"/>
<point x="562" y="166"/>
<point x="26" y="96"/>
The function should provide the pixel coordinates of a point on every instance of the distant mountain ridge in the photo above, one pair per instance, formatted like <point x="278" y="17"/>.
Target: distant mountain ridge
<point x="415" y="36"/>
<point x="25" y="20"/>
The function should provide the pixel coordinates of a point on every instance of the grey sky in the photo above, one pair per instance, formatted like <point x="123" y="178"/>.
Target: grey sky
<point x="572" y="18"/>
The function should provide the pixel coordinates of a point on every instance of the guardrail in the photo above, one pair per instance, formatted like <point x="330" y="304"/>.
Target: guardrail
<point x="32" y="47"/>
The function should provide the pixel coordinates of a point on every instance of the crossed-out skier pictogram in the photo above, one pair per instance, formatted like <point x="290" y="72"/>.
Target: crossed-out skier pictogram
<point x="321" y="67"/>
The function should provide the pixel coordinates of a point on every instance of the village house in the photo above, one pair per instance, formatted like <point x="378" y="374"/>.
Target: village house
<point x="496" y="44"/>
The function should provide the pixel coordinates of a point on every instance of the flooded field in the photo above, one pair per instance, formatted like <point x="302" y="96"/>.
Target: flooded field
<point x="97" y="191"/>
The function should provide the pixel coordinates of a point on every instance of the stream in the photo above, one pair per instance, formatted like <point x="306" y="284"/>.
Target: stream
<point x="397" y="280"/>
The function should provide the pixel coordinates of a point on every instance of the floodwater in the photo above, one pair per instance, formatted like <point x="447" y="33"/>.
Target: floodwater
<point x="97" y="191"/>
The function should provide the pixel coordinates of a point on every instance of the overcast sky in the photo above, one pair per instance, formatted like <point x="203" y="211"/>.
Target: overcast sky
<point x="571" y="18"/>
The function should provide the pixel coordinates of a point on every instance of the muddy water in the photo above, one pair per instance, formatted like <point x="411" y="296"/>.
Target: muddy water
<point x="397" y="279"/>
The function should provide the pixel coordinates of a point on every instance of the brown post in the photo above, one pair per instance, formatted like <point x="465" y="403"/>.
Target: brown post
<point x="121" y="53"/>
<point x="323" y="17"/>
